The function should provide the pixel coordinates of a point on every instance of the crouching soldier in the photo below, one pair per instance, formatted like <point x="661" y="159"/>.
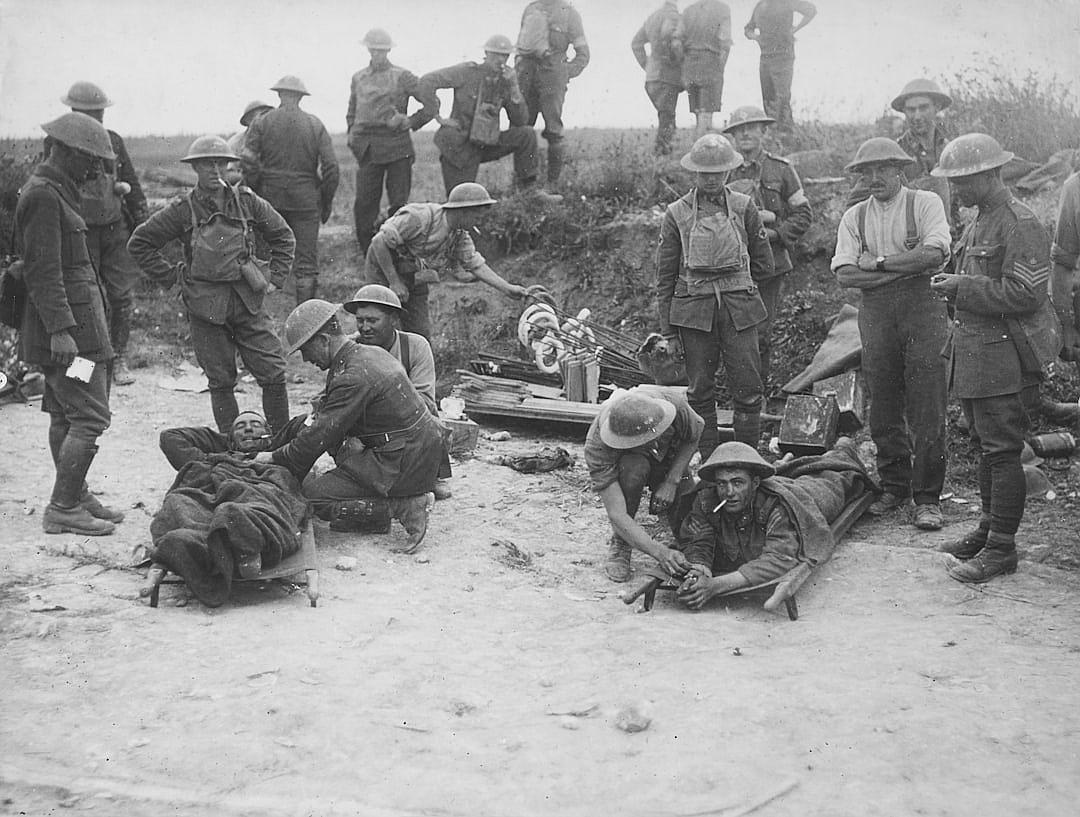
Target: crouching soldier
<point x="645" y="437"/>
<point x="223" y="287"/>
<point x="385" y="441"/>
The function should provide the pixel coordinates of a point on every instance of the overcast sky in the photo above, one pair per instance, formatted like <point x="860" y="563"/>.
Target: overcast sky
<point x="190" y="66"/>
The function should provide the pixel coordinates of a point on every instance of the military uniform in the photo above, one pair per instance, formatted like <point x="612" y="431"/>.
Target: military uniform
<point x="774" y="185"/>
<point x="460" y="154"/>
<point x="64" y="295"/>
<point x="378" y="126"/>
<point x="1003" y="337"/>
<point x="289" y="160"/>
<point x="774" y="21"/>
<point x="422" y="245"/>
<point x="1065" y="254"/>
<point x="225" y="312"/>
<point x="663" y="69"/>
<point x="711" y="253"/>
<point x="548" y="29"/>
<point x="705" y="34"/>
<point x="383" y="438"/>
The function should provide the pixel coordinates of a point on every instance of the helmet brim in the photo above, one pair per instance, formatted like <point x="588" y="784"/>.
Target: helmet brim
<point x="462" y="205"/>
<point x="694" y="167"/>
<point x="613" y="439"/>
<point x="1001" y="160"/>
<point x="942" y="101"/>
<point x="754" y="120"/>
<point x="351" y="306"/>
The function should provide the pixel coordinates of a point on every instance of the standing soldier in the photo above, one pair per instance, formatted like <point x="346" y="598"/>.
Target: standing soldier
<point x="712" y="250"/>
<point x="289" y="161"/>
<point x="1002" y="340"/>
<point x="923" y="139"/>
<point x="888" y="247"/>
<point x="548" y="29"/>
<point x="419" y="241"/>
<point x="252" y="112"/>
<point x="378" y="124"/>
<point x="1066" y="280"/>
<point x="705" y="33"/>
<point x="471" y="135"/>
<point x="112" y="205"/>
<point x="774" y="186"/>
<point x="772" y="25"/>
<point x="64" y="319"/>
<point x="663" y="69"/>
<point x="223" y="286"/>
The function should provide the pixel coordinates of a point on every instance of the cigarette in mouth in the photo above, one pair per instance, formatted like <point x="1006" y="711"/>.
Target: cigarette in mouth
<point x="723" y="502"/>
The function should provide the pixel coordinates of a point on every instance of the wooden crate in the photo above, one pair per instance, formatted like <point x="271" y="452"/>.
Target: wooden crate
<point x="809" y="425"/>
<point x="850" y="394"/>
<point x="464" y="435"/>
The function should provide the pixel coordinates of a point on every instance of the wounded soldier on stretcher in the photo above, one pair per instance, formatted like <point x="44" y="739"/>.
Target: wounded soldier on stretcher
<point x="751" y="522"/>
<point x="225" y="514"/>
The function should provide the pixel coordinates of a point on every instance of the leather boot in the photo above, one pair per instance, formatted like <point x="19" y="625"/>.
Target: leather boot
<point x="121" y="374"/>
<point x="996" y="559"/>
<point x="275" y="401"/>
<point x="64" y="514"/>
<point x="747" y="427"/>
<point x="368" y="515"/>
<point x="119" y="332"/>
<point x="412" y="512"/>
<point x="94" y="507"/>
<point x="223" y="404"/>
<point x="617" y="565"/>
<point x="968" y="545"/>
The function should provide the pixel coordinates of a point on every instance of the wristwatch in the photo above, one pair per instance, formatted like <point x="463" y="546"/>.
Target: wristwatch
<point x="880" y="265"/>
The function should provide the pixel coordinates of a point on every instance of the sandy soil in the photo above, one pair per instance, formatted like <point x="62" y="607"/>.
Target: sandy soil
<point x="465" y="680"/>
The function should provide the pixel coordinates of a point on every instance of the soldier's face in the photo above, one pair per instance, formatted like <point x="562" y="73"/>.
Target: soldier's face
<point x="736" y="486"/>
<point x="379" y="56"/>
<point x="317" y="352"/>
<point x="82" y="166"/>
<point x="882" y="179"/>
<point x="711" y="183"/>
<point x="748" y="138"/>
<point x="211" y="172"/>
<point x="969" y="190"/>
<point x="374" y="325"/>
<point x="495" y="61"/>
<point x="920" y="113"/>
<point x="249" y="433"/>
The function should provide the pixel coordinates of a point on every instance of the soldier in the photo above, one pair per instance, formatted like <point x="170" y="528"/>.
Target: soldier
<point x="289" y="160"/>
<point x="774" y="186"/>
<point x="420" y="240"/>
<point x="64" y="322"/>
<point x="713" y="249"/>
<point x="252" y="112"/>
<point x="548" y="29"/>
<point x="705" y="34"/>
<point x="1002" y="341"/>
<point x="378" y="125"/>
<point x="772" y="25"/>
<point x="1066" y="279"/>
<point x="378" y="314"/>
<point x="112" y="205"/>
<point x="923" y="138"/>
<point x="471" y="135"/>
<point x="888" y="247"/>
<point x="223" y="286"/>
<point x="663" y="69"/>
<point x="384" y="440"/>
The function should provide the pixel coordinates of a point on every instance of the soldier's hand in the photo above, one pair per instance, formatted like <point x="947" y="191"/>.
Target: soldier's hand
<point x="271" y="288"/>
<point x="867" y="262"/>
<point x="509" y="74"/>
<point x="673" y="563"/>
<point x="767" y="217"/>
<point x="401" y="291"/>
<point x="945" y="284"/>
<point x="398" y="122"/>
<point x="63" y="348"/>
<point x="449" y="122"/>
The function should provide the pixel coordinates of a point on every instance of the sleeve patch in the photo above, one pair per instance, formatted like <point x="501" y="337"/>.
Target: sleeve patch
<point x="1031" y="273"/>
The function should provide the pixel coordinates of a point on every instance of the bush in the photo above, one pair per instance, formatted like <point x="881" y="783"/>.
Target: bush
<point x="1033" y="116"/>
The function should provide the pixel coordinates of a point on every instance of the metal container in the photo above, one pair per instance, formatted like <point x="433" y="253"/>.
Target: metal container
<point x="1054" y="444"/>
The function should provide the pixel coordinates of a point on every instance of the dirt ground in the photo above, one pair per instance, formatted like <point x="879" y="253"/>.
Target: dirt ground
<point x="473" y="679"/>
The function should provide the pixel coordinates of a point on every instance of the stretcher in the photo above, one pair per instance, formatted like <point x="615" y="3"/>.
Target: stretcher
<point x="302" y="567"/>
<point x="784" y="588"/>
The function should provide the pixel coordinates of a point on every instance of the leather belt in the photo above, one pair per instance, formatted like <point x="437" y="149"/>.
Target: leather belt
<point x="377" y="440"/>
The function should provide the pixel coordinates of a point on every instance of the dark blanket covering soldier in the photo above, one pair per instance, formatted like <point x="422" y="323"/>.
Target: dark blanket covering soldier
<point x="223" y="285"/>
<point x="386" y="443"/>
<point x="1002" y="340"/>
<point x="65" y="318"/>
<point x="750" y="523"/>
<point x="643" y="438"/>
